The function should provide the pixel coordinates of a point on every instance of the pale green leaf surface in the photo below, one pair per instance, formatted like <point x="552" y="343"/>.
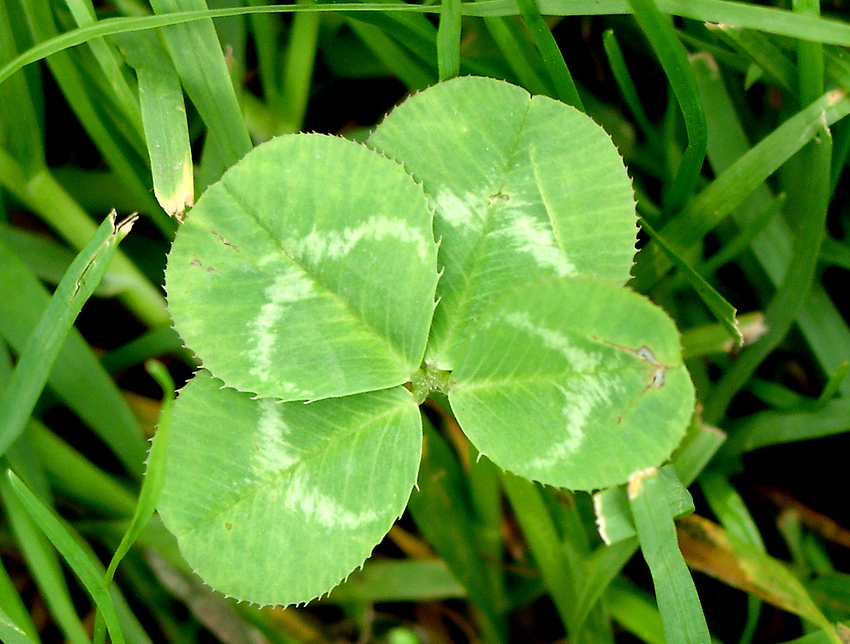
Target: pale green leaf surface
<point x="595" y="388"/>
<point x="521" y="185"/>
<point x="309" y="271"/>
<point x="276" y="502"/>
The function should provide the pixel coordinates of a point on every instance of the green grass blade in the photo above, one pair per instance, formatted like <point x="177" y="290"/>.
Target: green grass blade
<point x="151" y="344"/>
<point x="708" y="339"/>
<point x="45" y="343"/>
<point x="809" y="57"/>
<point x="44" y="567"/>
<point x="49" y="260"/>
<point x="546" y="548"/>
<point x="716" y="303"/>
<point x="151" y="487"/>
<point x="635" y="610"/>
<point x="403" y="65"/>
<point x="11" y="633"/>
<point x="601" y="569"/>
<point x="109" y="63"/>
<point x="678" y="603"/>
<point x="833" y="385"/>
<point x="45" y="196"/>
<point x="730" y="509"/>
<point x="553" y="59"/>
<point x="448" y="39"/>
<point x="674" y="60"/>
<point x="777" y="427"/>
<point x="442" y="512"/>
<point x="762" y="52"/>
<point x="19" y="122"/>
<point x="199" y="60"/>
<point x="518" y="53"/>
<point x="265" y="31"/>
<point x="614" y="519"/>
<point x="767" y="19"/>
<point x="627" y="87"/>
<point x="734" y="185"/>
<point x="75" y="477"/>
<point x="406" y="580"/>
<point x="811" y="208"/>
<point x="76" y="376"/>
<point x="164" y="120"/>
<point x="835" y="253"/>
<point x="15" y="620"/>
<point x="822" y="324"/>
<point x="106" y="129"/>
<point x="76" y="558"/>
<point x="298" y="68"/>
<point x="734" y="247"/>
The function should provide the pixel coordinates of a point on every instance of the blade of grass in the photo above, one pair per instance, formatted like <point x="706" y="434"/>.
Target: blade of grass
<point x="151" y="487"/>
<point x="71" y="552"/>
<point x="86" y="100"/>
<point x="627" y="87"/>
<point x="721" y="309"/>
<point x="742" y="240"/>
<point x="693" y="454"/>
<point x="152" y="344"/>
<point x="776" y="427"/>
<point x="739" y="181"/>
<point x="544" y="544"/>
<point x="732" y="512"/>
<point x="811" y="208"/>
<point x="833" y="385"/>
<point x="77" y="377"/>
<point x="44" y="567"/>
<point x="822" y="324"/>
<point x="678" y="603"/>
<point x="553" y="59"/>
<point x="49" y="260"/>
<point x="762" y="52"/>
<point x="109" y="62"/>
<point x="517" y="52"/>
<point x="164" y="120"/>
<point x="441" y="511"/>
<point x="767" y="19"/>
<point x="809" y="56"/>
<point x="635" y="610"/>
<point x="18" y="117"/>
<point x="448" y="39"/>
<point x="396" y="580"/>
<point x="403" y="65"/>
<point x="709" y="549"/>
<point x="614" y="518"/>
<point x="45" y="343"/>
<point x="674" y="60"/>
<point x="11" y="633"/>
<point x="835" y="253"/>
<point x="15" y="616"/>
<point x="713" y="338"/>
<point x="199" y="60"/>
<point x="298" y="68"/>
<point x="45" y="196"/>
<point x="75" y="477"/>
